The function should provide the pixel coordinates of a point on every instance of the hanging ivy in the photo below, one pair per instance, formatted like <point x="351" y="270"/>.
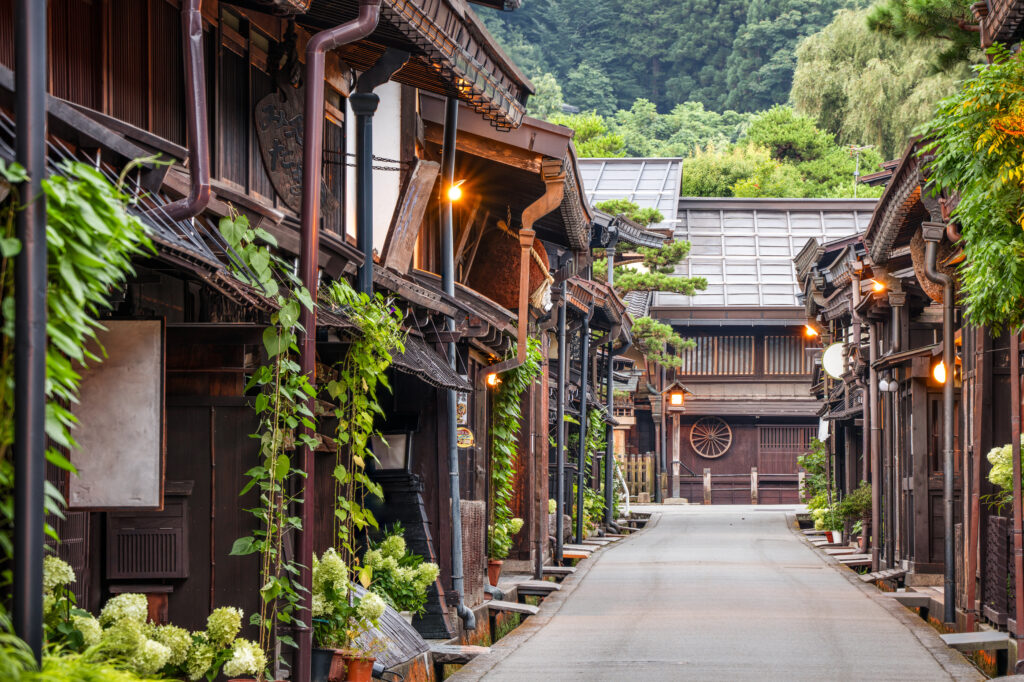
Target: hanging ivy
<point x="977" y="141"/>
<point x="285" y="422"/>
<point x="506" y="421"/>
<point x="91" y="239"/>
<point x="354" y="389"/>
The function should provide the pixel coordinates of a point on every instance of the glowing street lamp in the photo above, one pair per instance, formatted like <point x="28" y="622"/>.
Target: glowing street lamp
<point x="493" y="380"/>
<point x="455" y="191"/>
<point x="877" y="286"/>
<point x="675" y="394"/>
<point x="810" y="331"/>
<point x="939" y="372"/>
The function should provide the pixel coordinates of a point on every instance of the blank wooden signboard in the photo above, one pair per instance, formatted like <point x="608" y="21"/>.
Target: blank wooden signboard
<point x="120" y="432"/>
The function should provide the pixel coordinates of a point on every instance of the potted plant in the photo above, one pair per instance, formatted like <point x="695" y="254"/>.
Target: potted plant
<point x="359" y="647"/>
<point x="400" y="577"/>
<point x="856" y="506"/>
<point x="499" y="545"/>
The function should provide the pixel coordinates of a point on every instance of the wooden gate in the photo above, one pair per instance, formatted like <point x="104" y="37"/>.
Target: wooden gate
<point x="638" y="470"/>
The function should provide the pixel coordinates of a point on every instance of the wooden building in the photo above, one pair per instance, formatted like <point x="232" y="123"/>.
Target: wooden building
<point x="118" y="92"/>
<point x="748" y="416"/>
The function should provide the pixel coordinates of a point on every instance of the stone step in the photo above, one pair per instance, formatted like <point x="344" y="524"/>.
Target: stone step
<point x="537" y="588"/>
<point x="912" y="600"/>
<point x="456" y="654"/>
<point x="977" y="641"/>
<point x="512" y="607"/>
<point x="559" y="570"/>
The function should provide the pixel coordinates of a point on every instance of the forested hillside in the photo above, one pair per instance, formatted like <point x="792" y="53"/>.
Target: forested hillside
<point x="726" y="54"/>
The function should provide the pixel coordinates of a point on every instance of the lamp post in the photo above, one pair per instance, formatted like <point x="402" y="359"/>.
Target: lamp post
<point x="673" y="400"/>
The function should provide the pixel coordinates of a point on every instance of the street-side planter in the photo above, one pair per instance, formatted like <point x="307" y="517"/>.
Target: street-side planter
<point x="359" y="668"/>
<point x="328" y="665"/>
<point x="494" y="571"/>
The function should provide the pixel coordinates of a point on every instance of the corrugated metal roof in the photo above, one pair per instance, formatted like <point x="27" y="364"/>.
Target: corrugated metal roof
<point x="745" y="247"/>
<point x="649" y="183"/>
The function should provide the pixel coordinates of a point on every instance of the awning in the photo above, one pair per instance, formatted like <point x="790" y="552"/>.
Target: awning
<point x="420" y="360"/>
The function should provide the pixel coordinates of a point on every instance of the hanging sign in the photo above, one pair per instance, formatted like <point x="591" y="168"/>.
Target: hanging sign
<point x="832" y="361"/>
<point x="462" y="408"/>
<point x="464" y="437"/>
<point x="279" y="129"/>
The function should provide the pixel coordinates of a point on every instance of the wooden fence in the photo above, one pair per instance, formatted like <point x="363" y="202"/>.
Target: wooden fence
<point x="638" y="471"/>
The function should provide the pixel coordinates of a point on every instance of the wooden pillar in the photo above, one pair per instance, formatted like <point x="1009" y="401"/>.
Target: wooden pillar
<point x="675" y="455"/>
<point x="707" y="486"/>
<point x="753" y="485"/>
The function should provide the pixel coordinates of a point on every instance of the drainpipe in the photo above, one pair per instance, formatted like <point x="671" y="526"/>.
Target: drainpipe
<point x="581" y="468"/>
<point x="896" y="301"/>
<point x="195" y="109"/>
<point x="30" y="324"/>
<point x="451" y="122"/>
<point x="560" y="433"/>
<point x="312" y="153"/>
<point x="876" y="446"/>
<point x="1018" y="507"/>
<point x="609" y="462"/>
<point x="933" y="233"/>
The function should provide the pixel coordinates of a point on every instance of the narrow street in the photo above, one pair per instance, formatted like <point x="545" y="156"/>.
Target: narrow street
<point x="718" y="593"/>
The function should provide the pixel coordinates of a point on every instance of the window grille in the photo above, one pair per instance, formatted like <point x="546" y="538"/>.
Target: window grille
<point x="719" y="355"/>
<point x="785" y="356"/>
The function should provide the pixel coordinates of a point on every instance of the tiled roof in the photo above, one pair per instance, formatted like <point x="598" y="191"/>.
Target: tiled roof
<point x="745" y="247"/>
<point x="649" y="183"/>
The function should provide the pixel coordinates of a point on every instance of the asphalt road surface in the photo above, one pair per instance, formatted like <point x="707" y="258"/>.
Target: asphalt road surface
<point x="718" y="593"/>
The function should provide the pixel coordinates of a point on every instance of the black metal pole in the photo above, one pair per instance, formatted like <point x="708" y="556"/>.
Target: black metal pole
<point x="30" y="324"/>
<point x="581" y="469"/>
<point x="364" y="105"/>
<point x="659" y="459"/>
<point x="560" y="433"/>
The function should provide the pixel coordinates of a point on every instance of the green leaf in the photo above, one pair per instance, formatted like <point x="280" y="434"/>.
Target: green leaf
<point x="243" y="546"/>
<point x="9" y="247"/>
<point x="274" y="341"/>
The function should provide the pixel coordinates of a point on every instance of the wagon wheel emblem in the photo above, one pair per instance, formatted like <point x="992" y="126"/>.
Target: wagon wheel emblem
<point x="710" y="437"/>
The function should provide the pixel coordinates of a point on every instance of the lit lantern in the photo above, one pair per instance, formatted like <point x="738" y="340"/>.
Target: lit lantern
<point x="810" y="331"/>
<point x="675" y="394"/>
<point x="493" y="380"/>
<point x="676" y="398"/>
<point x="455" y="191"/>
<point x="877" y="286"/>
<point x="939" y="372"/>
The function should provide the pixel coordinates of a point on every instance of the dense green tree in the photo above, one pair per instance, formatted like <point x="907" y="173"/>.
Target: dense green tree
<point x="547" y="98"/>
<point x="784" y="154"/>
<point x="759" y="69"/>
<point x="592" y="136"/>
<point x="912" y="20"/>
<point x="868" y="88"/>
<point x="589" y="88"/>
<point x="735" y="54"/>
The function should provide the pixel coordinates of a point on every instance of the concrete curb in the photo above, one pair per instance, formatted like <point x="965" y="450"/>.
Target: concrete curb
<point x="550" y="607"/>
<point x="952" y="661"/>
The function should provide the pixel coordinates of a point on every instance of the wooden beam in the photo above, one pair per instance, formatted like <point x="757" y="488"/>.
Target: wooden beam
<point x="491" y="150"/>
<point x="408" y="218"/>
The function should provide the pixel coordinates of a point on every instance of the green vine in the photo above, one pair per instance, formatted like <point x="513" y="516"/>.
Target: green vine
<point x="354" y="389"/>
<point x="506" y="420"/>
<point x="281" y="405"/>
<point x="91" y="240"/>
<point x="593" y="500"/>
<point x="977" y="140"/>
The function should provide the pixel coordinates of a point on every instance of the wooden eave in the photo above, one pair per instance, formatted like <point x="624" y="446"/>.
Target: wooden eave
<point x="899" y="210"/>
<point x="452" y="54"/>
<point x="1003" y="24"/>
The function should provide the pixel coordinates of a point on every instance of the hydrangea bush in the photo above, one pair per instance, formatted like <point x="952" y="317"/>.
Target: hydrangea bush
<point x="1001" y="475"/>
<point x="400" y="577"/>
<point x="340" y="619"/>
<point x="123" y="638"/>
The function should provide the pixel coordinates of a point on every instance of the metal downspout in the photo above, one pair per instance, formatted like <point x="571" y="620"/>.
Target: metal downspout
<point x="876" y="446"/>
<point x="1018" y="507"/>
<point x="609" y="462"/>
<point x="312" y="158"/>
<point x="659" y="460"/>
<point x="451" y="123"/>
<point x="933" y="233"/>
<point x="581" y="464"/>
<point x="560" y="433"/>
<point x="195" y="110"/>
<point x="30" y="324"/>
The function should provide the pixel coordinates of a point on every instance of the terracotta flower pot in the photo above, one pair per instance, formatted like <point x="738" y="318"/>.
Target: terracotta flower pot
<point x="359" y="669"/>
<point x="494" y="571"/>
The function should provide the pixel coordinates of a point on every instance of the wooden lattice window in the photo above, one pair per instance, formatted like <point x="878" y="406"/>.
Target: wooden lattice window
<point x="779" y="446"/>
<point x="719" y="355"/>
<point x="785" y="356"/>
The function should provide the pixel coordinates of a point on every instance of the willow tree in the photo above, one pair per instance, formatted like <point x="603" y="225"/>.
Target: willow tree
<point x="868" y="87"/>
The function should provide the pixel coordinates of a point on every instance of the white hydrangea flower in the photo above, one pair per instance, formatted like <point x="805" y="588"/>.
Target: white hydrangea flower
<point x="330" y="570"/>
<point x="123" y="636"/>
<point x="246" y="659"/>
<point x="393" y="546"/>
<point x="149" y="658"/>
<point x="89" y="627"/>
<point x="128" y="606"/>
<point x="199" y="660"/>
<point x="371" y="607"/>
<point x="178" y="640"/>
<point x="56" y="573"/>
<point x="223" y="625"/>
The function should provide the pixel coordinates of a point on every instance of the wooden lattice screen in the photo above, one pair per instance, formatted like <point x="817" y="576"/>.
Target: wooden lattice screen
<point x="785" y="356"/>
<point x="719" y="355"/>
<point x="779" y="446"/>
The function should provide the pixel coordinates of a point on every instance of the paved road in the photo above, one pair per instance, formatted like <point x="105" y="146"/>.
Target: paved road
<point x="718" y="593"/>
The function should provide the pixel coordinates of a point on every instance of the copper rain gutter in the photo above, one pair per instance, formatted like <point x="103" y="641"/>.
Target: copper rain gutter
<point x="195" y="108"/>
<point x="312" y="159"/>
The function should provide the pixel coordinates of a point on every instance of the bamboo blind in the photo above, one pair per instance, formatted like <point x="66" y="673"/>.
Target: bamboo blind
<point x="719" y="355"/>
